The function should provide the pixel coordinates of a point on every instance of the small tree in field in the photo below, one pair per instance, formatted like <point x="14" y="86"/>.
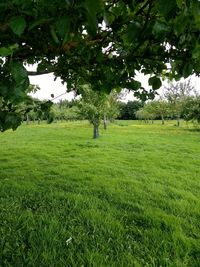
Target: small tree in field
<point x="128" y="110"/>
<point x="96" y="106"/>
<point x="144" y="114"/>
<point x="92" y="107"/>
<point x="111" y="108"/>
<point x="176" y="94"/>
<point x="154" y="109"/>
<point x="159" y="108"/>
<point x="191" y="110"/>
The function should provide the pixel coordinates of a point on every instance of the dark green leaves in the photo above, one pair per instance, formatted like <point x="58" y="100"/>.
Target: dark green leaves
<point x="20" y="81"/>
<point x="135" y="85"/>
<point x="187" y="69"/>
<point x="9" y="120"/>
<point x="63" y="28"/>
<point x="38" y="22"/>
<point x="133" y="31"/>
<point x="4" y="88"/>
<point x="46" y="106"/>
<point x="160" y="29"/>
<point x="166" y="7"/>
<point x="93" y="8"/>
<point x="18" y="72"/>
<point x="179" y="3"/>
<point x="7" y="51"/>
<point x="18" y="25"/>
<point x="196" y="52"/>
<point x="155" y="82"/>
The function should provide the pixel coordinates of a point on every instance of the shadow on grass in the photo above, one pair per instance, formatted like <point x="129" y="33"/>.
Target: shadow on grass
<point x="192" y="130"/>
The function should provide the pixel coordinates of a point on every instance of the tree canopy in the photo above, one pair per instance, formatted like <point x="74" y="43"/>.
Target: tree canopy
<point x="102" y="43"/>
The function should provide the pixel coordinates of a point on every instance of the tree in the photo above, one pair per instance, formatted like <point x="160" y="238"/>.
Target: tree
<point x="159" y="108"/>
<point x="92" y="106"/>
<point x="102" y="43"/>
<point x="144" y="114"/>
<point x="66" y="110"/>
<point x="176" y="94"/>
<point x="111" y="108"/>
<point x="128" y="110"/>
<point x="191" y="111"/>
<point x="97" y="106"/>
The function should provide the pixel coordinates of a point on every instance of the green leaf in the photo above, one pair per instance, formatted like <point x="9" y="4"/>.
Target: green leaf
<point x="187" y="70"/>
<point x="93" y="8"/>
<point x="38" y="22"/>
<point x="155" y="82"/>
<point x="179" y="3"/>
<point x="19" y="73"/>
<point x="195" y="10"/>
<point x="46" y="106"/>
<point x="4" y="52"/>
<point x="133" y="31"/>
<point x="135" y="85"/>
<point x="63" y="26"/>
<point x="196" y="52"/>
<point x="180" y="24"/>
<point x="4" y="85"/>
<point x="165" y="7"/>
<point x="7" y="51"/>
<point x="12" y="120"/>
<point x="160" y="29"/>
<point x="18" y="25"/>
<point x="54" y="35"/>
<point x="109" y="18"/>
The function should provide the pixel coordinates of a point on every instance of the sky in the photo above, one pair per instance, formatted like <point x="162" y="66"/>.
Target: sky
<point x="49" y="86"/>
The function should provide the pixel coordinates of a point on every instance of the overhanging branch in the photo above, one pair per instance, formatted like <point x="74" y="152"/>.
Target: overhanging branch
<point x="34" y="73"/>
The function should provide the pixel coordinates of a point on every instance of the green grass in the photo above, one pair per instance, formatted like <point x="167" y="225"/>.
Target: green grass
<point x="130" y="198"/>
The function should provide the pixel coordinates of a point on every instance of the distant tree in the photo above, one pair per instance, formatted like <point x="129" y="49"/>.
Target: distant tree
<point x="92" y="106"/>
<point x="127" y="111"/>
<point x="66" y="110"/>
<point x="144" y="114"/>
<point x="96" y="106"/>
<point x="111" y="108"/>
<point x="159" y="108"/>
<point x="191" y="109"/>
<point x="72" y="113"/>
<point x="176" y="94"/>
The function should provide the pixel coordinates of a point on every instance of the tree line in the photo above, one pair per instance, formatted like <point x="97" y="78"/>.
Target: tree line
<point x="179" y="101"/>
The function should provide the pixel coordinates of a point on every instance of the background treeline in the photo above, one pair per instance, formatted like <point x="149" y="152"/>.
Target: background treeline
<point x="179" y="101"/>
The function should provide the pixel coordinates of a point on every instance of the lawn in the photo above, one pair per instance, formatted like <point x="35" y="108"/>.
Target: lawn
<point x="130" y="198"/>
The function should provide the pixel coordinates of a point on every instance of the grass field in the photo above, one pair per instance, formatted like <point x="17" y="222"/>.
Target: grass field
<point x="130" y="198"/>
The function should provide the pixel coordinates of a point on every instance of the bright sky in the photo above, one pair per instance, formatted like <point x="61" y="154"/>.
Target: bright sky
<point x="49" y="86"/>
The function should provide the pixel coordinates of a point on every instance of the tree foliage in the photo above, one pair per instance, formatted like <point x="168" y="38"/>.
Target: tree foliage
<point x="127" y="111"/>
<point x="96" y="106"/>
<point x="191" y="109"/>
<point x="177" y="95"/>
<point x="101" y="43"/>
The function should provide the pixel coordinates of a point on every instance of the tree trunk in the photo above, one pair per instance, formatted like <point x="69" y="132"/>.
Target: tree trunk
<point x="39" y="121"/>
<point x="27" y="119"/>
<point x="163" y="121"/>
<point x="178" y="121"/>
<point x="104" y="122"/>
<point x="96" y="131"/>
